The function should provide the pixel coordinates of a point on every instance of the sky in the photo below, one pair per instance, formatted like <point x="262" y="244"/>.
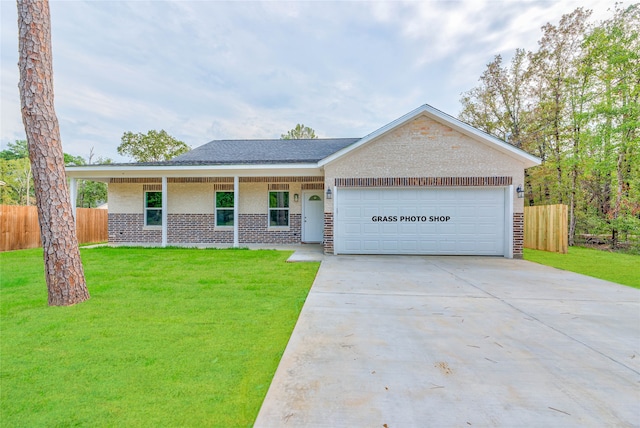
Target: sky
<point x="207" y="70"/>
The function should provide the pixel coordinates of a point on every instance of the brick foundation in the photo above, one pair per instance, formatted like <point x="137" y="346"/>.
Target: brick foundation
<point x="197" y="229"/>
<point x="130" y="228"/>
<point x="518" y="235"/>
<point x="200" y="229"/>
<point x="254" y="229"/>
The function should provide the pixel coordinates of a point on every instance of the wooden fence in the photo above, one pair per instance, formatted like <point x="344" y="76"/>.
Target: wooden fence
<point x="545" y="228"/>
<point x="19" y="226"/>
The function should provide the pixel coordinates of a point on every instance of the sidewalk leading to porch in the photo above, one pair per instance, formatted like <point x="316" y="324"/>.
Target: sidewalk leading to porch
<point x="302" y="252"/>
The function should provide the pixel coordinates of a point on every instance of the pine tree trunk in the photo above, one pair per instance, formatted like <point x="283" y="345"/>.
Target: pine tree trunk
<point x="63" y="268"/>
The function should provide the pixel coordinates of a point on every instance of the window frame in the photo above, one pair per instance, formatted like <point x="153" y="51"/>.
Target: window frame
<point x="216" y="208"/>
<point x="286" y="209"/>
<point x="147" y="209"/>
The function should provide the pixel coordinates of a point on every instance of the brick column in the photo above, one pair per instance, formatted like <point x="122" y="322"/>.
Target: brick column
<point x="328" y="233"/>
<point x="518" y="235"/>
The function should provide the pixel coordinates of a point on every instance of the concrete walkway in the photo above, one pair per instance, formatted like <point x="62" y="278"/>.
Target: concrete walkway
<point x="391" y="341"/>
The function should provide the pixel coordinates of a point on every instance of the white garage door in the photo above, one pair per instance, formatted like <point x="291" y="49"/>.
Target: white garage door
<point x="462" y="221"/>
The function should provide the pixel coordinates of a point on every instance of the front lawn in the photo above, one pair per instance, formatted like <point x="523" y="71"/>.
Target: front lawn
<point x="615" y="267"/>
<point x="170" y="337"/>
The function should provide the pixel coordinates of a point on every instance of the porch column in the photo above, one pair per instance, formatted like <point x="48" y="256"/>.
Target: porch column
<point x="165" y="215"/>
<point x="236" y="198"/>
<point x="73" y="195"/>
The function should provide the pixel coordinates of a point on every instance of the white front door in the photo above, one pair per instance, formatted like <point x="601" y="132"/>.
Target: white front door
<point x="312" y="216"/>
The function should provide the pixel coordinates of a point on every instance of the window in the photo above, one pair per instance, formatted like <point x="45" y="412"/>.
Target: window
<point x="153" y="208"/>
<point x="224" y="208"/>
<point x="278" y="208"/>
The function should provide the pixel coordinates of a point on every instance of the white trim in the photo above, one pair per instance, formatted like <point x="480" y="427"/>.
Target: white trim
<point x="508" y="217"/>
<point x="334" y="202"/>
<point x="288" y="209"/>
<point x="216" y="208"/>
<point x="236" y="203"/>
<point x="145" y="209"/>
<point x="435" y="114"/>
<point x="255" y="170"/>
<point x="73" y="196"/>
<point x="165" y="214"/>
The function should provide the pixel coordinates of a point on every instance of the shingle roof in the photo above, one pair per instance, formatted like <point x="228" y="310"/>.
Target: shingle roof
<point x="220" y="152"/>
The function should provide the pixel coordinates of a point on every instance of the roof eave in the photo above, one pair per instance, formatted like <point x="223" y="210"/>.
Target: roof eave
<point x="106" y="171"/>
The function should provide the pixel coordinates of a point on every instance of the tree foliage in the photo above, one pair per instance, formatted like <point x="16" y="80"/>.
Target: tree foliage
<point x="300" y="132"/>
<point x="574" y="103"/>
<point x="18" y="187"/>
<point x="154" y="146"/>
<point x="16" y="150"/>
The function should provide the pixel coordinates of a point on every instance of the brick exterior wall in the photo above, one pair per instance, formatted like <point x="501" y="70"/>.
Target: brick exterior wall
<point x="130" y="228"/>
<point x="199" y="229"/>
<point x="196" y="228"/>
<point x="328" y="233"/>
<point x="423" y="181"/>
<point x="254" y="229"/>
<point x="518" y="235"/>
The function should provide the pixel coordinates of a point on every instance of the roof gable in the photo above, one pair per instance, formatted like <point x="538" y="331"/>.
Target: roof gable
<point x="527" y="159"/>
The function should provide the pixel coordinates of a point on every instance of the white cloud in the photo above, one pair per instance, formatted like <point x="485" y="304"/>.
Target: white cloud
<point x="206" y="70"/>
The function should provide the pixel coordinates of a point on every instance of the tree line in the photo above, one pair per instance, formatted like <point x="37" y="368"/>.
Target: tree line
<point x="16" y="178"/>
<point x="574" y="103"/>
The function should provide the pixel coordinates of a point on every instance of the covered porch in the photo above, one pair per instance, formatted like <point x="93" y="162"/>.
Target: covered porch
<point x="211" y="205"/>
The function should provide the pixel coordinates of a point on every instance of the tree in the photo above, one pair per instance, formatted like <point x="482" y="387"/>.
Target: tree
<point x="17" y="150"/>
<point x="614" y="50"/>
<point x="300" y="132"/>
<point x="15" y="173"/>
<point x="18" y="182"/>
<point x="579" y="110"/>
<point x="563" y="82"/>
<point x="64" y="274"/>
<point x="153" y="146"/>
<point x="497" y="105"/>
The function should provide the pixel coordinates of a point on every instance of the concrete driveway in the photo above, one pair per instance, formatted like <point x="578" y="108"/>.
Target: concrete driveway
<point x="393" y="341"/>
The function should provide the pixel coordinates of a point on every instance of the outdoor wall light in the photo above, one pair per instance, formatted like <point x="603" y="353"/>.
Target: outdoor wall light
<point x="328" y="193"/>
<point x="295" y="197"/>
<point x="520" y="191"/>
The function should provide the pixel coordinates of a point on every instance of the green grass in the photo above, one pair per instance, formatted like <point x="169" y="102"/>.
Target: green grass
<point x="170" y="337"/>
<point x="615" y="267"/>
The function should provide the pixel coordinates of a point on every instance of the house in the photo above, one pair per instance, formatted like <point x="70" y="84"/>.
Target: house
<point x="425" y="183"/>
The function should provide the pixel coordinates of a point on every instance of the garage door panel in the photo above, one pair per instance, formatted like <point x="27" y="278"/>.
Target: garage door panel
<point x="388" y="196"/>
<point x="420" y="221"/>
<point x="373" y="245"/>
<point x="409" y="195"/>
<point x="388" y="227"/>
<point x="408" y="229"/>
<point x="371" y="228"/>
<point x="390" y="246"/>
<point x="353" y="228"/>
<point x="467" y="229"/>
<point x="370" y="211"/>
<point x="446" y="196"/>
<point x="410" y="246"/>
<point x="353" y="212"/>
<point x="426" y="229"/>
